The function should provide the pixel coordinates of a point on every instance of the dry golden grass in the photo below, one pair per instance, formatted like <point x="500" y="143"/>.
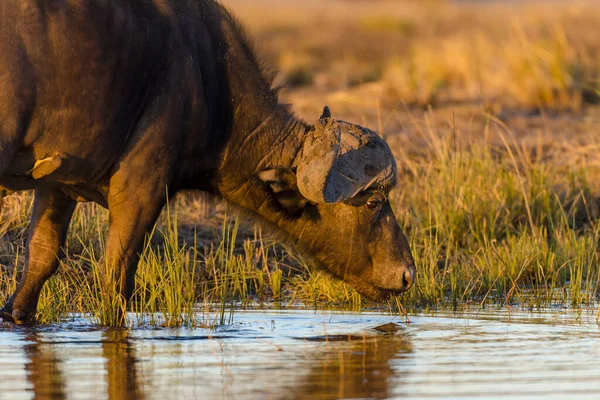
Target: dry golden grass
<point x="490" y="221"/>
<point x="496" y="54"/>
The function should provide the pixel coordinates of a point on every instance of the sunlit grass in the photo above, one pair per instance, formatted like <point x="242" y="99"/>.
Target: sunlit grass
<point x="522" y="55"/>
<point x="488" y="225"/>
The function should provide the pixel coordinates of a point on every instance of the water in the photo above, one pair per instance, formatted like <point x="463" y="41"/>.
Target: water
<point x="300" y="354"/>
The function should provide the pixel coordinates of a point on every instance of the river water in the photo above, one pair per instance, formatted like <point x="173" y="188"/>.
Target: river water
<point x="310" y="355"/>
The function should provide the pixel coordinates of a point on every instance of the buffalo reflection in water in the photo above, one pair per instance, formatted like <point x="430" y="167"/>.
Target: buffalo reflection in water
<point x="353" y="367"/>
<point x="43" y="368"/>
<point x="46" y="370"/>
<point x="336" y="367"/>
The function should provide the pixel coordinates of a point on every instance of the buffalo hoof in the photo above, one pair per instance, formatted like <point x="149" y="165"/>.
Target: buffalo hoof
<point x="16" y="317"/>
<point x="6" y="316"/>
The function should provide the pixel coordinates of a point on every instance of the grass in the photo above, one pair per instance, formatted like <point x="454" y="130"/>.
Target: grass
<point x="520" y="70"/>
<point x="488" y="224"/>
<point x="526" y="55"/>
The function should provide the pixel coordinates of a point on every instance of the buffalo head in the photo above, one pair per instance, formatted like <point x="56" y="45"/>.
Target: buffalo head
<point x="335" y="206"/>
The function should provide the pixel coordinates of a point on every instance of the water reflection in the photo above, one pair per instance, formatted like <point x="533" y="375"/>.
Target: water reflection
<point x="121" y="365"/>
<point x="326" y="367"/>
<point x="43" y="368"/>
<point x="358" y="368"/>
<point x="51" y="365"/>
<point x="305" y="355"/>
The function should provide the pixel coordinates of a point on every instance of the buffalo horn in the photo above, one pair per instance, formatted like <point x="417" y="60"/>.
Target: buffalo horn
<point x="326" y="113"/>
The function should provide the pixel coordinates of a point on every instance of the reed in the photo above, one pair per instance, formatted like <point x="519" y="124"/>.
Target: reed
<point x="488" y="224"/>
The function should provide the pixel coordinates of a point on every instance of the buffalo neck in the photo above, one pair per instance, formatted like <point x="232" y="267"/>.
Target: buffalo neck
<point x="275" y="143"/>
<point x="260" y="133"/>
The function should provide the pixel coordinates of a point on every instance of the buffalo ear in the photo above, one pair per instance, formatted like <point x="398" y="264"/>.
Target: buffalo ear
<point x="283" y="186"/>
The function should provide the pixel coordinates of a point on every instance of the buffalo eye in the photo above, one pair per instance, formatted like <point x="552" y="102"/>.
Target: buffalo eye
<point x="375" y="202"/>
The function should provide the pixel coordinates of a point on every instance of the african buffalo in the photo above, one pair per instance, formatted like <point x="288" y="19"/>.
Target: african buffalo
<point x="123" y="101"/>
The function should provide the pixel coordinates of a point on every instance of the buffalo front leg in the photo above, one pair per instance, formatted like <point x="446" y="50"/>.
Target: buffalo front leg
<point x="133" y="213"/>
<point x="52" y="212"/>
